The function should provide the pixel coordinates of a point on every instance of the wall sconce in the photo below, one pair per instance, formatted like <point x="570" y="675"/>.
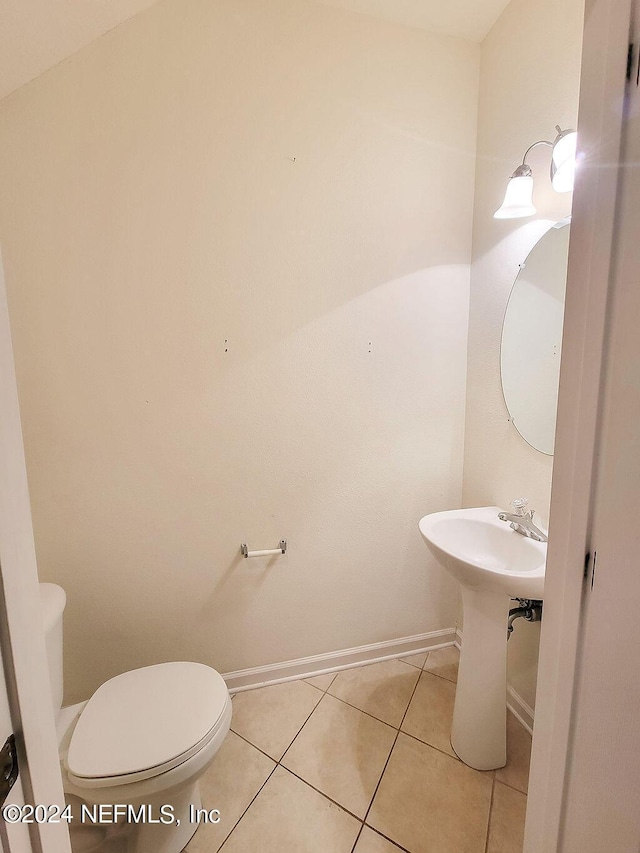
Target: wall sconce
<point x="518" y="199"/>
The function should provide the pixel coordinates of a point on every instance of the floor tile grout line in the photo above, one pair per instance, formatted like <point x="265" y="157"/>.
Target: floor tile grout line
<point x="261" y="751"/>
<point x="335" y="675"/>
<point x="437" y="675"/>
<point x="355" y="708"/>
<point x="509" y="785"/>
<point x="393" y="746"/>
<point x="386" y="837"/>
<point x="373" y="796"/>
<point x="366" y="713"/>
<point x="301" y="727"/>
<point x="361" y="821"/>
<point x="384" y="722"/>
<point x="355" y="843"/>
<point x="333" y="696"/>
<point x="369" y="714"/>
<point x="431" y="672"/>
<point x="398" y="728"/>
<point x="486" y="840"/>
<point x="322" y="794"/>
<point x="391" y="725"/>
<point x="306" y="681"/>
<point x="248" y="806"/>
<point x="278" y="760"/>
<point x="442" y="752"/>
<point x="398" y="731"/>
<point x="304" y="781"/>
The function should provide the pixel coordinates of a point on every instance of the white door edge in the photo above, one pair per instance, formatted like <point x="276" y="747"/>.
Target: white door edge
<point x="23" y="646"/>
<point x="604" y="57"/>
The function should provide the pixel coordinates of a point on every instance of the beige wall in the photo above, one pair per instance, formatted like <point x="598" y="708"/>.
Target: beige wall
<point x="529" y="80"/>
<point x="237" y="244"/>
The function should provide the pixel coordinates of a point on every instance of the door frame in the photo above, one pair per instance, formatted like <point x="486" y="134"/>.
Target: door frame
<point x="21" y="635"/>
<point x="600" y="120"/>
<point x="606" y="35"/>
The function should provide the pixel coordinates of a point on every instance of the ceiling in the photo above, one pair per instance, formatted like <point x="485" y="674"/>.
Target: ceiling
<point x="37" y="34"/>
<point x="467" y="19"/>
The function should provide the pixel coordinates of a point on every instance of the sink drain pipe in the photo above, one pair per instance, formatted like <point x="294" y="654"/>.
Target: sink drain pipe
<point x="528" y="608"/>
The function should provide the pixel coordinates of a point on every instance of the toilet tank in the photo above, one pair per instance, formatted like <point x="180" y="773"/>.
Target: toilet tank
<point x="52" y="603"/>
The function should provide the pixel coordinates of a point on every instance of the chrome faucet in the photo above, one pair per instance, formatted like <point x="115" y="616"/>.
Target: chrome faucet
<point x="521" y="520"/>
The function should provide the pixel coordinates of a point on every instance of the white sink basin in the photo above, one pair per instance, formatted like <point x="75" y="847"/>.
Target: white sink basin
<point x="492" y="563"/>
<point x="483" y="552"/>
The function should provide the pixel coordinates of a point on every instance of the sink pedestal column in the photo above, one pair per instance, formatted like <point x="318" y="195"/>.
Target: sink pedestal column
<point x="479" y="730"/>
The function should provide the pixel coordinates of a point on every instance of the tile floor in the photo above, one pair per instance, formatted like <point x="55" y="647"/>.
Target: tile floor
<point x="360" y="762"/>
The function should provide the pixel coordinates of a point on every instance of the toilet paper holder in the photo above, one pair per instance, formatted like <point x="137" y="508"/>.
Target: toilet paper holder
<point x="269" y="552"/>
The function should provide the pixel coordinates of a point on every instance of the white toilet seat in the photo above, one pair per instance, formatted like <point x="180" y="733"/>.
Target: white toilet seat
<point x="146" y="722"/>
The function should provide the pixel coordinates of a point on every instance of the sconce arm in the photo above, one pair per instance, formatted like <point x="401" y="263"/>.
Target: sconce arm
<point x="539" y="142"/>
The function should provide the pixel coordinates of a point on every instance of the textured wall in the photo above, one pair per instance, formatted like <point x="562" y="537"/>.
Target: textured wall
<point x="529" y="77"/>
<point x="237" y="240"/>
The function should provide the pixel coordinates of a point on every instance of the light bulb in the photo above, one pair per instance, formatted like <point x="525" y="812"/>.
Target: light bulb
<point x="563" y="162"/>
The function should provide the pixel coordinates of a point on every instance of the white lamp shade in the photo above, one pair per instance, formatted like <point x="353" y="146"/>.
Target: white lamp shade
<point x="563" y="161"/>
<point x="518" y="199"/>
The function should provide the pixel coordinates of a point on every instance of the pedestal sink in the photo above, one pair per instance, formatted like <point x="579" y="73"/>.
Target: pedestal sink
<point x="493" y="563"/>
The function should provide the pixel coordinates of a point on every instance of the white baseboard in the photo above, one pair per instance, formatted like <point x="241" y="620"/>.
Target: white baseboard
<point x="523" y="712"/>
<point x="259" y="676"/>
<point x="292" y="670"/>
<point x="519" y="708"/>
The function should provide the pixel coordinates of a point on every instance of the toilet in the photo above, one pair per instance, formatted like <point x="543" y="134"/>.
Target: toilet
<point x="143" y="739"/>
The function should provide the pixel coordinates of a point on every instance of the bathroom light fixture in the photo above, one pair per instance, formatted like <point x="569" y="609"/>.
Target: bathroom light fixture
<point x="518" y="198"/>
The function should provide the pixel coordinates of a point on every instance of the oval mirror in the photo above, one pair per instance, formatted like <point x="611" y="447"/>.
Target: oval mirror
<point x="532" y="338"/>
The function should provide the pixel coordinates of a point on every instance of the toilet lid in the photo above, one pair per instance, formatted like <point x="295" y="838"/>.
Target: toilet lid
<point x="149" y="718"/>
